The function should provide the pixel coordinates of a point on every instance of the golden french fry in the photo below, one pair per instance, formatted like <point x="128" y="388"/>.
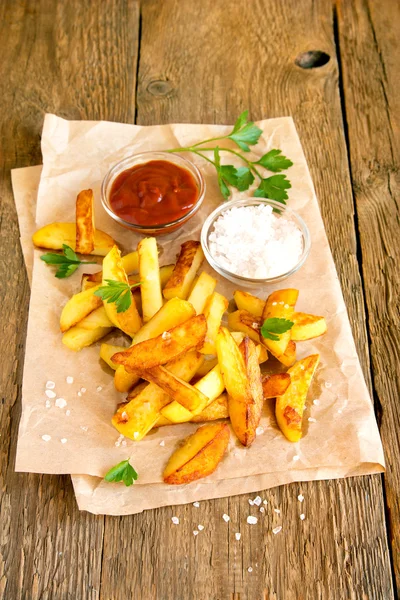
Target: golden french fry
<point x="149" y="273"/>
<point x="206" y="367"/>
<point x="289" y="407"/>
<point x="232" y="367"/>
<point x="188" y="263"/>
<point x="187" y="395"/>
<point x="243" y="321"/>
<point x="97" y="318"/>
<point x="78" y="337"/>
<point x="199" y="456"/>
<point x="218" y="409"/>
<point x="107" y="351"/>
<point x="307" y="327"/>
<point x="289" y="356"/>
<point x="85" y="227"/>
<point x="201" y="292"/>
<point x="213" y="312"/>
<point x="87" y="283"/>
<point x="250" y="303"/>
<point x="78" y="307"/>
<point x="275" y="385"/>
<point x="280" y="304"/>
<point x="55" y="235"/>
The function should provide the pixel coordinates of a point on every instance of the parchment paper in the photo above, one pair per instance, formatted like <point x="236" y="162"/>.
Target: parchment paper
<point x="338" y="444"/>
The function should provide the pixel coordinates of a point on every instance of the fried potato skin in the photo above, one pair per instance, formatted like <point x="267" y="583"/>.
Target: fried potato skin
<point x="249" y="303"/>
<point x="275" y="385"/>
<point x="84" y="219"/>
<point x="201" y="292"/>
<point x="189" y="261"/>
<point x="279" y="304"/>
<point x="77" y="337"/>
<point x="213" y="312"/>
<point x="78" y="307"/>
<point x="232" y="367"/>
<point x="218" y="409"/>
<point x="243" y="321"/>
<point x="307" y="327"/>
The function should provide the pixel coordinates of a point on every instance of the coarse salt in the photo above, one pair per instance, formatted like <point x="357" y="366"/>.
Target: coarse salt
<point x="175" y="520"/>
<point x="278" y="512"/>
<point x="46" y="438"/>
<point x="277" y="529"/>
<point x="99" y="388"/>
<point x="47" y="404"/>
<point x="50" y="394"/>
<point x="238" y="536"/>
<point x="262" y="509"/>
<point x="195" y="532"/>
<point x="312" y="420"/>
<point x="200" y="527"/>
<point x="50" y="385"/>
<point x="162" y="443"/>
<point x="166" y="335"/>
<point x="316" y="402"/>
<point x="257" y="500"/>
<point x="250" y="569"/>
<point x="296" y="457"/>
<point x="83" y="390"/>
<point x="259" y="430"/>
<point x="60" y="403"/>
<point x="196" y="504"/>
<point x="252" y="241"/>
<point x="302" y="516"/>
<point x="252" y="520"/>
<point x="226" y="518"/>
<point x="70" y="379"/>
<point x="67" y="412"/>
<point x="300" y="497"/>
<point x="63" y="440"/>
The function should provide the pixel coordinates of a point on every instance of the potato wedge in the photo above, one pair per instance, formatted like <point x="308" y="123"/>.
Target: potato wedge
<point x="165" y="347"/>
<point x="55" y="235"/>
<point x="289" y="407"/>
<point x="232" y="367"/>
<point x="130" y="263"/>
<point x="199" y="456"/>
<point x="213" y="312"/>
<point x="250" y="303"/>
<point x="149" y="273"/>
<point x="78" y="307"/>
<point x="97" y="318"/>
<point x="218" y="409"/>
<point x="206" y="367"/>
<point x="78" y="337"/>
<point x="245" y="416"/>
<point x="307" y="327"/>
<point x="201" y="292"/>
<point x="135" y="418"/>
<point x="280" y="304"/>
<point x="87" y="283"/>
<point x="129" y="321"/>
<point x="289" y="357"/>
<point x="188" y="263"/>
<point x="84" y="219"/>
<point x="174" y="312"/>
<point x="187" y="395"/>
<point x="241" y="320"/>
<point x="275" y="385"/>
<point x="106" y="352"/>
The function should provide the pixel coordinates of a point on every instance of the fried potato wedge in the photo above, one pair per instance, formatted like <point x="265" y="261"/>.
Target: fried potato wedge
<point x="107" y="351"/>
<point x="97" y="318"/>
<point x="218" y="409"/>
<point x="206" y="367"/>
<point x="187" y="395"/>
<point x="129" y="321"/>
<point x="149" y="273"/>
<point x="87" y="283"/>
<point x="280" y="305"/>
<point x="275" y="385"/>
<point x="199" y="456"/>
<point x="243" y="321"/>
<point x="232" y="367"/>
<point x="289" y="357"/>
<point x="213" y="312"/>
<point x="245" y="416"/>
<point x="165" y="347"/>
<point x="289" y="407"/>
<point x="78" y="307"/>
<point x="201" y="292"/>
<point x="78" y="337"/>
<point x="173" y="313"/>
<point x="250" y="303"/>
<point x="55" y="235"/>
<point x="189" y="261"/>
<point x="84" y="219"/>
<point x="307" y="327"/>
<point x="130" y="264"/>
<point x="135" y="418"/>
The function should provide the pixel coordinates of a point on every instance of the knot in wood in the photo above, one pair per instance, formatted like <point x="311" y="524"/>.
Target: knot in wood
<point x="312" y="59"/>
<point x="159" y="88"/>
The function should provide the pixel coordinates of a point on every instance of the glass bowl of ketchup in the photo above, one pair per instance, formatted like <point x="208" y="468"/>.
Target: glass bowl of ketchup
<point x="153" y="193"/>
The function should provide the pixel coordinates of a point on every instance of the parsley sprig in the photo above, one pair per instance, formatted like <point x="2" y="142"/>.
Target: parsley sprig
<point x="123" y="471"/>
<point x="273" y="328"/>
<point x="67" y="262"/>
<point x="245" y="134"/>
<point x="117" y="292"/>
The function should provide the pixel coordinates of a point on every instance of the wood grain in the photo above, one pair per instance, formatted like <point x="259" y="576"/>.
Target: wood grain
<point x="206" y="62"/>
<point x="369" y="45"/>
<point x="78" y="60"/>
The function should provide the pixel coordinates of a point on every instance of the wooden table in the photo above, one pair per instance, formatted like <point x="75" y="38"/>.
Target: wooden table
<point x="206" y="61"/>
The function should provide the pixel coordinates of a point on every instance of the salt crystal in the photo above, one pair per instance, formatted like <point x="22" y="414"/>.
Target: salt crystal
<point x="47" y="404"/>
<point x="99" y="388"/>
<point x="50" y="385"/>
<point x="85" y="428"/>
<point x="250" y="569"/>
<point x="316" y="402"/>
<point x="162" y="443"/>
<point x="259" y="430"/>
<point x="255" y="325"/>
<point x="200" y="527"/>
<point x="60" y="403"/>
<point x="123" y="443"/>
<point x="312" y="420"/>
<point x="124" y="415"/>
<point x="70" y="379"/>
<point x="195" y="532"/>
<point x="302" y="516"/>
<point x="328" y="384"/>
<point x="252" y="520"/>
<point x="300" y="497"/>
<point x="265" y="501"/>
<point x="79" y="394"/>
<point x="46" y="438"/>
<point x="295" y="458"/>
<point x="251" y="502"/>
<point x="83" y="390"/>
<point x="67" y="412"/>
<point x="278" y="512"/>
<point x="257" y="500"/>
<point x="238" y="536"/>
<point x="226" y="518"/>
<point x="277" y="529"/>
<point x="175" y="520"/>
<point x="136" y="434"/>
<point x="196" y="504"/>
<point x="166" y="335"/>
<point x="50" y="394"/>
<point x="302" y="367"/>
<point x="63" y="440"/>
<point x="119" y="440"/>
<point x="287" y="306"/>
<point x="262" y="509"/>
<point x="340" y="411"/>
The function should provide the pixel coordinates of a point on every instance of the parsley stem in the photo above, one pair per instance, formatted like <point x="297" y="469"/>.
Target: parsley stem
<point x="243" y="158"/>
<point x="223" y="137"/>
<point x="191" y="149"/>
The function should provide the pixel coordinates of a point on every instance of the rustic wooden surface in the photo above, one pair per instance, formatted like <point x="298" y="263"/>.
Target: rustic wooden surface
<point x="193" y="61"/>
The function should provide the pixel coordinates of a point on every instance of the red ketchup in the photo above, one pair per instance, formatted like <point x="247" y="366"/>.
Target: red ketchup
<point x="153" y="193"/>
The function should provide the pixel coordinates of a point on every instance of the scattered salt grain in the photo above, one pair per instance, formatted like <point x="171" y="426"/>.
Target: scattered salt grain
<point x="250" y="569"/>
<point x="63" y="440"/>
<point x="259" y="430"/>
<point x="300" y="497"/>
<point x="278" y="512"/>
<point x="295" y="458"/>
<point x="175" y="520"/>
<point x="316" y="402"/>
<point x="166" y="335"/>
<point x="47" y="404"/>
<point x="312" y="420"/>
<point x="195" y="532"/>
<point x="82" y="390"/>
<point x="251" y="502"/>
<point x="257" y="500"/>
<point x="46" y="438"/>
<point x="162" y="443"/>
<point x="85" y="428"/>
<point x="287" y="306"/>
<point x="277" y="529"/>
<point x="123" y="443"/>
<point x="226" y="518"/>
<point x="196" y="504"/>
<point x="262" y="509"/>
<point x="50" y="385"/>
<point x="340" y="411"/>
<point x="79" y="394"/>
<point x="67" y="412"/>
<point x="274" y="303"/>
<point x="252" y="520"/>
<point x="200" y="527"/>
<point x="70" y="379"/>
<point x="136" y="434"/>
<point x="238" y="536"/>
<point x="253" y="242"/>
<point x="265" y="501"/>
<point x="255" y="325"/>
<point x="302" y="367"/>
<point x="119" y="440"/>
<point x="328" y="384"/>
<point x="302" y="516"/>
<point x="50" y="394"/>
<point x="99" y="388"/>
<point x="60" y="403"/>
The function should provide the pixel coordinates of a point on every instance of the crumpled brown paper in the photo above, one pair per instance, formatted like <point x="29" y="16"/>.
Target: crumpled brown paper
<point x="344" y="439"/>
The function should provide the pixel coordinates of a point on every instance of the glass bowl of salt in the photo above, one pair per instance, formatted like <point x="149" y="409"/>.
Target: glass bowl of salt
<point x="254" y="241"/>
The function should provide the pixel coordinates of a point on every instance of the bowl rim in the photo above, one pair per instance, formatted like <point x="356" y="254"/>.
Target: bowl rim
<point x="251" y="201"/>
<point x="119" y="166"/>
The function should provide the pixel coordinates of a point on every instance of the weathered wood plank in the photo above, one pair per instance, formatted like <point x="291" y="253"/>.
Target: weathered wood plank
<point x="369" y="45"/>
<point x="78" y="60"/>
<point x="206" y="62"/>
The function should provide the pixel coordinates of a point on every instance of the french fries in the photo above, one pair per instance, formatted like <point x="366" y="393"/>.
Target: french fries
<point x="218" y="409"/>
<point x="149" y="273"/>
<point x="85" y="227"/>
<point x="55" y="235"/>
<point x="232" y="367"/>
<point x="279" y="305"/>
<point x="275" y="385"/>
<point x="241" y="320"/>
<point x="97" y="318"/>
<point x="182" y="392"/>
<point x="289" y="356"/>
<point x="78" y="307"/>
<point x="201" y="291"/>
<point x="307" y="327"/>
<point x="214" y="310"/>
<point x="107" y="351"/>
<point x="199" y="456"/>
<point x="248" y="302"/>
<point x="289" y="407"/>
<point x="78" y="337"/>
<point x="187" y="265"/>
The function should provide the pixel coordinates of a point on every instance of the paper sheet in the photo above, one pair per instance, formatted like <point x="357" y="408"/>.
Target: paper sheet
<point x="343" y="440"/>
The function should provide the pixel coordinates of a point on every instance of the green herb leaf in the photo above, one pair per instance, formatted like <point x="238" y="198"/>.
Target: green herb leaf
<point x="66" y="270"/>
<point x="247" y="135"/>
<point x="220" y="170"/>
<point x="228" y="174"/>
<point x="70" y="254"/>
<point x="274" y="187"/>
<point x="123" y="471"/>
<point x="68" y="261"/>
<point x="274" y="161"/>
<point x="241" y="120"/>
<point x="272" y="328"/>
<point x="244" y="178"/>
<point x="117" y="292"/>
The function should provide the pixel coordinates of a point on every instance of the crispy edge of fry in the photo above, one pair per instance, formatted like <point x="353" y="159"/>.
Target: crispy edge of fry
<point x="179" y="390"/>
<point x="189" y="261"/>
<point x="275" y="384"/>
<point x="232" y="367"/>
<point x="85" y="226"/>
<point x="243" y="321"/>
<point x="201" y="292"/>
<point x="77" y="337"/>
<point x="78" y="307"/>
<point x="54" y="235"/>
<point x="307" y="327"/>
<point x="217" y="409"/>
<point x="214" y="310"/>
<point x="149" y="273"/>
<point x="249" y="303"/>
<point x="106" y="352"/>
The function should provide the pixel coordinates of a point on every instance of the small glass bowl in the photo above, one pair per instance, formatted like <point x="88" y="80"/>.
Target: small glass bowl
<point x="145" y="157"/>
<point x="283" y="210"/>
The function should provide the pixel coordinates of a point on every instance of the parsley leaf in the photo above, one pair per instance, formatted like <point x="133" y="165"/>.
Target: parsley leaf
<point x="274" y="161"/>
<point x="67" y="262"/>
<point x="247" y="135"/>
<point x="117" y="292"/>
<point x="228" y="174"/>
<point x="244" y="178"/>
<point x="274" y="187"/>
<point x="123" y="471"/>
<point x="240" y="121"/>
<point x="240" y="178"/>
<point x="272" y="328"/>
